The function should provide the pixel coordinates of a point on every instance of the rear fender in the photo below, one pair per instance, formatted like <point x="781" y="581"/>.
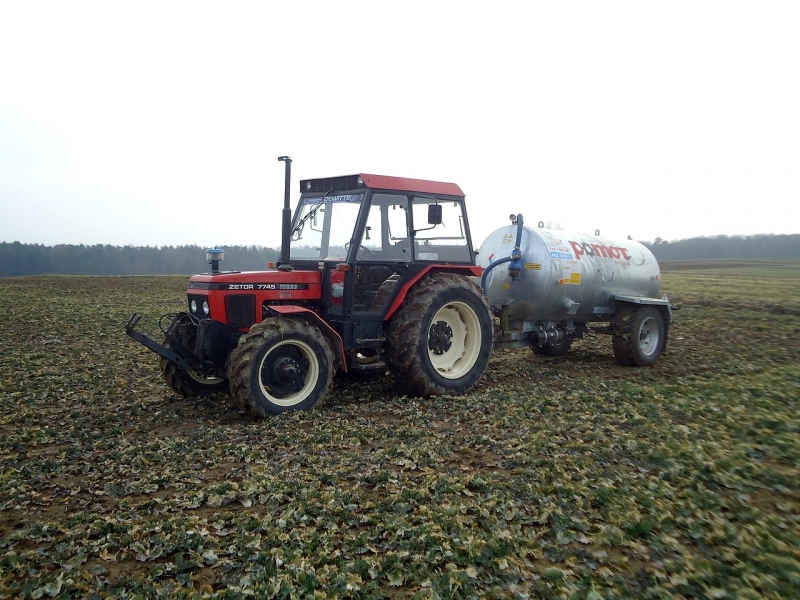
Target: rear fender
<point x="299" y="312"/>
<point x="466" y="270"/>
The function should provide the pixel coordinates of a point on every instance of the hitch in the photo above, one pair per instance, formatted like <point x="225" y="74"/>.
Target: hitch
<point x="133" y="322"/>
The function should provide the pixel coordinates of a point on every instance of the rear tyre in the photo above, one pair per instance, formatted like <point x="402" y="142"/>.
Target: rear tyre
<point x="280" y="365"/>
<point x="638" y="335"/>
<point x="440" y="340"/>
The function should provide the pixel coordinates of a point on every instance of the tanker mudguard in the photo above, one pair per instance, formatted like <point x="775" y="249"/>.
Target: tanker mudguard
<point x="642" y="300"/>
<point x="663" y="301"/>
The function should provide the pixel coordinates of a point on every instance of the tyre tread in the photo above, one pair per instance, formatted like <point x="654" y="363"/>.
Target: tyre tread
<point x="624" y="339"/>
<point x="405" y="331"/>
<point x="241" y="364"/>
<point x="180" y="382"/>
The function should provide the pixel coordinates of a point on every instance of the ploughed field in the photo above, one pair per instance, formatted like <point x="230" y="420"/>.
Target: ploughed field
<point x="556" y="478"/>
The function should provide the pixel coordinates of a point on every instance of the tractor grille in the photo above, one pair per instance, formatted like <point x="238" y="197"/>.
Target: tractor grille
<point x="240" y="310"/>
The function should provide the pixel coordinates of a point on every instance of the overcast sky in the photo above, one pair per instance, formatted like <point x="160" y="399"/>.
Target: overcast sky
<point x="161" y="123"/>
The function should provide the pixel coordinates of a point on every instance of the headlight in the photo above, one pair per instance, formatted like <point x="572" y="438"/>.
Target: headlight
<point x="205" y="306"/>
<point x="193" y="306"/>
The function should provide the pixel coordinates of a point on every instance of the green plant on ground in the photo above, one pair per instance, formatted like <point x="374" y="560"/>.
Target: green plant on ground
<point x="565" y="477"/>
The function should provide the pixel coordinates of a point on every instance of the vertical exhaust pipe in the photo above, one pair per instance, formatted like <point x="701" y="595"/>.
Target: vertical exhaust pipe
<point x="283" y="264"/>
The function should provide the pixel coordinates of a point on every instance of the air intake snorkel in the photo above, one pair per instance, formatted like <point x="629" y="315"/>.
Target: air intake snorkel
<point x="287" y="218"/>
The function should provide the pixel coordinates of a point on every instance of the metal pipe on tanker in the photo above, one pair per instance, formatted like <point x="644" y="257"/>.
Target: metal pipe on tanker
<point x="515" y="268"/>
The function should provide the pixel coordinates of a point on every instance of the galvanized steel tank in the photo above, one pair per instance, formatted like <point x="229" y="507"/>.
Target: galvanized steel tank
<point x="565" y="275"/>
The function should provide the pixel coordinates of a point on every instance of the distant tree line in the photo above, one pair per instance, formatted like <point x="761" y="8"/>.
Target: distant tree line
<point x="720" y="247"/>
<point x="65" y="259"/>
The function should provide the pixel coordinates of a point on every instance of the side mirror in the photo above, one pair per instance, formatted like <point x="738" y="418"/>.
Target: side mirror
<point x="434" y="214"/>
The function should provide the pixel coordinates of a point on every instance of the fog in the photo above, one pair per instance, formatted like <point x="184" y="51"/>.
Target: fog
<point x="160" y="124"/>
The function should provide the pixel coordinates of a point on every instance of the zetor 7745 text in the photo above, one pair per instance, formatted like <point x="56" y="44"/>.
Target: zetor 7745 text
<point x="380" y="273"/>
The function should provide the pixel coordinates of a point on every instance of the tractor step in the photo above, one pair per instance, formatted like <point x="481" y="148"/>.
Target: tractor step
<point x="374" y="368"/>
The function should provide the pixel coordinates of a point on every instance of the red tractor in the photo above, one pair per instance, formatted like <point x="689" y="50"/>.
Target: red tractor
<point x="375" y="272"/>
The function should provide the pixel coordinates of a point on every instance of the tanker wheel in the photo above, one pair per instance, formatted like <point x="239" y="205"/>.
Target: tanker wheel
<point x="189" y="383"/>
<point x="440" y="340"/>
<point x="638" y="335"/>
<point x="553" y="348"/>
<point x="280" y="365"/>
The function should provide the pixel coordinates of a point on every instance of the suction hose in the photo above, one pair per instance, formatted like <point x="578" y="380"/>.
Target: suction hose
<point x="489" y="268"/>
<point x="515" y="268"/>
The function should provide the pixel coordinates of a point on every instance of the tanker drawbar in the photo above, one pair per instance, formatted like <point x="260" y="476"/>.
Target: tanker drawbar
<point x="546" y="287"/>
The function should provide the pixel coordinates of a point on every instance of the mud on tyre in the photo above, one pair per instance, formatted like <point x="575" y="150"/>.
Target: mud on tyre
<point x="440" y="340"/>
<point x="280" y="365"/>
<point x="189" y="383"/>
<point x="638" y="335"/>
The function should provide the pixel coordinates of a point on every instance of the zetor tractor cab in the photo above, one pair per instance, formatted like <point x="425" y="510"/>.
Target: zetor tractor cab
<point x="375" y="272"/>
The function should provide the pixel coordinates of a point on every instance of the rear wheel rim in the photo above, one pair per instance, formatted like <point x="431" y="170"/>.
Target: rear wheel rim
<point x="454" y="340"/>
<point x="649" y="336"/>
<point x="288" y="373"/>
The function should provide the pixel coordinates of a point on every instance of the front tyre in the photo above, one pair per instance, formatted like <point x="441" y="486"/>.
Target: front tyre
<point x="638" y="335"/>
<point x="280" y="365"/>
<point x="190" y="384"/>
<point x="440" y="340"/>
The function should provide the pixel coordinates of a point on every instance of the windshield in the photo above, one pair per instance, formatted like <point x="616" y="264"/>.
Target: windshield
<point x="323" y="226"/>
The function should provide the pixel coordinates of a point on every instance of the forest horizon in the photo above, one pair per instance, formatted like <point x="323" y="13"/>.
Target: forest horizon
<point x="104" y="259"/>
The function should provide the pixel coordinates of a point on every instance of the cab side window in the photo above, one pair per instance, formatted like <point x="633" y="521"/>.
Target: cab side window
<point x="386" y="236"/>
<point x="441" y="242"/>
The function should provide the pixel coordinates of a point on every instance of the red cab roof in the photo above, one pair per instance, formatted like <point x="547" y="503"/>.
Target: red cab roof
<point x="380" y="182"/>
<point x="404" y="184"/>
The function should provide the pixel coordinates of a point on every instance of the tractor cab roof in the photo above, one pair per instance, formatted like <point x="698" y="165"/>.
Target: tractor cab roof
<point x="382" y="182"/>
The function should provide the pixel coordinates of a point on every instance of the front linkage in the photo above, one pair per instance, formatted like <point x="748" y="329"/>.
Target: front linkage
<point x="194" y="346"/>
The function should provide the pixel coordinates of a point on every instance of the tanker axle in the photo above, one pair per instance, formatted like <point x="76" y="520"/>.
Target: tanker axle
<point x="540" y="337"/>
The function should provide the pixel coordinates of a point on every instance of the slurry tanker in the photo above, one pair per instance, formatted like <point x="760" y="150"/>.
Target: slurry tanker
<point x="548" y="287"/>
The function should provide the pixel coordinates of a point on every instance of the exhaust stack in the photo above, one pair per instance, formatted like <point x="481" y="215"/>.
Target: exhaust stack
<point x="283" y="264"/>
